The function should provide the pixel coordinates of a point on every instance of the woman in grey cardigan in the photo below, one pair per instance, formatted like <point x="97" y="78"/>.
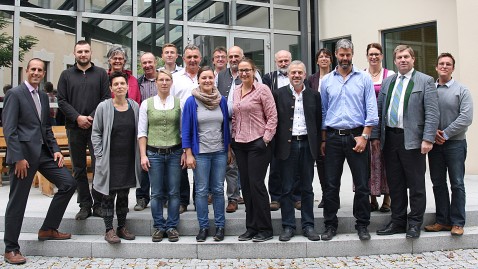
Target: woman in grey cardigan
<point x="116" y="149"/>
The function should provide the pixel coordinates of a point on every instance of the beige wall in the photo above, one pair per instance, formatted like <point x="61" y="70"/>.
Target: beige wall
<point x="364" y="20"/>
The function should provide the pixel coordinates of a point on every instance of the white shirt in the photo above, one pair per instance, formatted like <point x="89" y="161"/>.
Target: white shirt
<point x="143" y="112"/>
<point x="406" y="80"/>
<point x="282" y="80"/>
<point x="176" y="69"/>
<point x="182" y="86"/>
<point x="298" y="123"/>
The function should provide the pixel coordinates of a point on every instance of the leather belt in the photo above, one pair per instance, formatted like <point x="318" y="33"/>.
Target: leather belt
<point x="394" y="130"/>
<point x="355" y="131"/>
<point x="164" y="150"/>
<point x="299" y="137"/>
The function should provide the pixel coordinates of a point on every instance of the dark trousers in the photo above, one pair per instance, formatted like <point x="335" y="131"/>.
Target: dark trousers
<point x="20" y="189"/>
<point x="300" y="162"/>
<point x="337" y="149"/>
<point x="184" y="188"/>
<point x="320" y="162"/>
<point x="143" y="192"/>
<point x="449" y="157"/>
<point x="275" y="182"/>
<point x="78" y="140"/>
<point x="108" y="206"/>
<point x="252" y="160"/>
<point x="405" y="169"/>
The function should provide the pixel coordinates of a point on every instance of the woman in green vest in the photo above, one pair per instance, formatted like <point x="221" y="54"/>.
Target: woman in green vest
<point x="162" y="155"/>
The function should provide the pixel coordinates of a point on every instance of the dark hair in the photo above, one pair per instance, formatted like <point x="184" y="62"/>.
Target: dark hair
<point x="82" y="42"/>
<point x="446" y="54"/>
<point x="48" y="87"/>
<point x="249" y="61"/>
<point x="219" y="48"/>
<point x="36" y="59"/>
<point x="117" y="74"/>
<point x="374" y="45"/>
<point x="325" y="51"/>
<point x="204" y="69"/>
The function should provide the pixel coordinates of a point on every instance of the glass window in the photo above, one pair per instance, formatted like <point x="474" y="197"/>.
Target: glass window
<point x="110" y="7"/>
<point x="289" y="43"/>
<point x="150" y="38"/>
<point x="209" y="12"/>
<point x="155" y="9"/>
<point x="207" y="44"/>
<point x="50" y="4"/>
<point x="291" y="24"/>
<point x="253" y="16"/>
<point x="253" y="49"/>
<point x="330" y="44"/>
<point x="422" y="38"/>
<point x="294" y="3"/>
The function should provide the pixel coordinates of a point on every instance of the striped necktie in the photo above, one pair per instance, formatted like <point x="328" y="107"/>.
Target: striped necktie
<point x="36" y="100"/>
<point x="395" y="103"/>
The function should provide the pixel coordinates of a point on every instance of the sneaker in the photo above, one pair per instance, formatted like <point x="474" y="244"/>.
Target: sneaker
<point x="111" y="237"/>
<point x="140" y="204"/>
<point x="173" y="235"/>
<point x="98" y="212"/>
<point x="83" y="214"/>
<point x="125" y="234"/>
<point x="157" y="235"/>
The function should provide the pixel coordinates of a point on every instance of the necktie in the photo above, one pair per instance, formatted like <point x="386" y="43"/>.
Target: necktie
<point x="36" y="100"/>
<point x="395" y="103"/>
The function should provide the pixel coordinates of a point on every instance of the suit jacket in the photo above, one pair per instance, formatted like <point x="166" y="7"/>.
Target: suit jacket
<point x="421" y="114"/>
<point x="313" y="81"/>
<point x="270" y="79"/>
<point x="285" y="114"/>
<point x="23" y="130"/>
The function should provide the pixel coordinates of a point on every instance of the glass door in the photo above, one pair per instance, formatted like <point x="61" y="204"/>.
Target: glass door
<point x="255" y="46"/>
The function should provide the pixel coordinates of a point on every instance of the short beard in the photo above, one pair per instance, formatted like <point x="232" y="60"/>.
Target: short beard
<point x="283" y="71"/>
<point x="83" y="64"/>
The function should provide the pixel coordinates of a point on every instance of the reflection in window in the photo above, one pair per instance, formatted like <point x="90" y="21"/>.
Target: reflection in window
<point x="209" y="11"/>
<point x="253" y="16"/>
<point x="50" y="4"/>
<point x="207" y="44"/>
<point x="294" y="3"/>
<point x="289" y="43"/>
<point x="291" y="23"/>
<point x="423" y="40"/>
<point x="330" y="44"/>
<point x="150" y="37"/>
<point x="155" y="9"/>
<point x="253" y="49"/>
<point x="116" y="7"/>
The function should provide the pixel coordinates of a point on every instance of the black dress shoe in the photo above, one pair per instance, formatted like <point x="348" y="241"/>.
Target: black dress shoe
<point x="262" y="236"/>
<point x="413" y="231"/>
<point x="311" y="234"/>
<point x="248" y="235"/>
<point x="219" y="236"/>
<point x="321" y="204"/>
<point x="329" y="233"/>
<point x="390" y="229"/>
<point x="363" y="233"/>
<point x="286" y="234"/>
<point x="202" y="235"/>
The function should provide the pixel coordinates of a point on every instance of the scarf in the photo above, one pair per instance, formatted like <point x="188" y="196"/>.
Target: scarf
<point x="210" y="101"/>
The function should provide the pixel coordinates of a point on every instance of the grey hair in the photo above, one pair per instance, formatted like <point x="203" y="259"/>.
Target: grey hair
<point x="190" y="47"/>
<point x="116" y="50"/>
<point x="344" y="44"/>
<point x="280" y="51"/>
<point x="297" y="62"/>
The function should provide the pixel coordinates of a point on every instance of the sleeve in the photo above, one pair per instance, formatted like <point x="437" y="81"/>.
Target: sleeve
<point x="105" y="88"/>
<point x="324" y="99"/>
<point x="63" y="101"/>
<point x="270" y="112"/>
<point x="187" y="129"/>
<point x="432" y="113"/>
<point x="97" y="131"/>
<point x="465" y="117"/>
<point x="143" y="119"/>
<point x="371" y="117"/>
<point x="10" y="114"/>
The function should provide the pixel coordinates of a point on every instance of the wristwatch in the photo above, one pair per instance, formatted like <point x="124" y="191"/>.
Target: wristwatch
<point x="366" y="136"/>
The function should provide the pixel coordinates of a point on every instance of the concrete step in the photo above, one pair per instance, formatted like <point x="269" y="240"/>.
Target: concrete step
<point x="141" y="223"/>
<point x="231" y="248"/>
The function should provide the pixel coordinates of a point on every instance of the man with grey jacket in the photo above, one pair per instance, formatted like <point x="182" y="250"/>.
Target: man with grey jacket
<point x="409" y="115"/>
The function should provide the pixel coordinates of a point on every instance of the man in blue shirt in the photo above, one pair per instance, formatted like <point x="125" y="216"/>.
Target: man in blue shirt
<point x="349" y="112"/>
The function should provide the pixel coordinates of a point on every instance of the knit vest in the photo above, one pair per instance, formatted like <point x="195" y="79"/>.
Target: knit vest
<point x="163" y="125"/>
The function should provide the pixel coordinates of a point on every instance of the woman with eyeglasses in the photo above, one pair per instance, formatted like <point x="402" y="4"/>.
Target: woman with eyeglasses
<point x="206" y="139"/>
<point x="117" y="59"/>
<point x="378" y="181"/>
<point x="162" y="155"/>
<point x="117" y="156"/>
<point x="254" y="122"/>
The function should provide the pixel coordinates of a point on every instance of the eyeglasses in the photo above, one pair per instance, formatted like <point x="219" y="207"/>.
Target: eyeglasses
<point x="220" y="57"/>
<point x="117" y="59"/>
<point x="247" y="71"/>
<point x="374" y="54"/>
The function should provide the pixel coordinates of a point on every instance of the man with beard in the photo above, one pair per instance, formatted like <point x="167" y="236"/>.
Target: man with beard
<point x="349" y="112"/>
<point x="80" y="89"/>
<point x="276" y="80"/>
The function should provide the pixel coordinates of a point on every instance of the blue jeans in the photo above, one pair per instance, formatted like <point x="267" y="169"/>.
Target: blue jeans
<point x="165" y="177"/>
<point x="300" y="162"/>
<point x="450" y="156"/>
<point x="209" y="175"/>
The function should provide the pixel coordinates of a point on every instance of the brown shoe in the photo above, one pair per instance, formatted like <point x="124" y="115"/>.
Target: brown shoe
<point x="231" y="206"/>
<point x="111" y="237"/>
<point x="437" y="227"/>
<point x="182" y="209"/>
<point x="14" y="257"/>
<point x="457" y="230"/>
<point x="298" y="205"/>
<point x="52" y="234"/>
<point x="125" y="234"/>
<point x="209" y="199"/>
<point x="275" y="206"/>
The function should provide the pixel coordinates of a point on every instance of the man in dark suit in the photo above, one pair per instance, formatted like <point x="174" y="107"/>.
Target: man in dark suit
<point x="31" y="147"/>
<point x="299" y="113"/>
<point x="409" y="116"/>
<point x="275" y="80"/>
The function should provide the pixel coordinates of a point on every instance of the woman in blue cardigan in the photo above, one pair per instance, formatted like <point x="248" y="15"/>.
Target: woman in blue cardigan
<point x="206" y="140"/>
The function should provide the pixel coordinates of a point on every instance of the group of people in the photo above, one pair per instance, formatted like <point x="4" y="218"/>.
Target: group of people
<point x="229" y="124"/>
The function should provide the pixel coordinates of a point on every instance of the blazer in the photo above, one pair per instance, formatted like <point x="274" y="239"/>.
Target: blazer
<point x="22" y="127"/>
<point x="270" y="79"/>
<point x="285" y="114"/>
<point x="421" y="114"/>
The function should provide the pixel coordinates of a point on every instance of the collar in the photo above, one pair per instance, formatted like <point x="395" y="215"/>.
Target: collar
<point x="30" y="87"/>
<point x="448" y="84"/>
<point x="408" y="75"/>
<point x="76" y="67"/>
<point x="293" y="90"/>
<point x="354" y="70"/>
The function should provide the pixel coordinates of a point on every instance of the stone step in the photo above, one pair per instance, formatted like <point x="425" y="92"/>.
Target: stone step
<point x="141" y="223"/>
<point x="231" y="248"/>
